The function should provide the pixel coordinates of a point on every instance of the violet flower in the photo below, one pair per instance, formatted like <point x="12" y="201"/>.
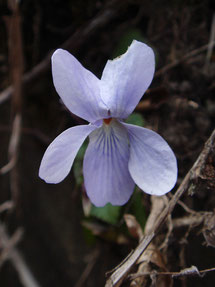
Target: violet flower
<point x="119" y="154"/>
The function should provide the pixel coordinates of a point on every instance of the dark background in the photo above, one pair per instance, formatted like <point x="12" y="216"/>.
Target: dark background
<point x="180" y="105"/>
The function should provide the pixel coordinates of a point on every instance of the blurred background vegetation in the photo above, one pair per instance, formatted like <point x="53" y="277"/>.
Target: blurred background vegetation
<point x="65" y="241"/>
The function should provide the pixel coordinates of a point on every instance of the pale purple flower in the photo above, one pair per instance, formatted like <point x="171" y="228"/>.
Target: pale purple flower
<point x="119" y="154"/>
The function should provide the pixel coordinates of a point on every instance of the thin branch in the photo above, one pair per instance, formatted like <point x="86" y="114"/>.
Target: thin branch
<point x="37" y="134"/>
<point x="6" y="206"/>
<point x="186" y="208"/>
<point x="88" y="269"/>
<point x="13" y="145"/>
<point x="117" y="277"/>
<point x="151" y="252"/>
<point x="191" y="271"/>
<point x="8" y="244"/>
<point x="9" y="166"/>
<point x="15" y="54"/>
<point x="192" y="220"/>
<point x="5" y="95"/>
<point x="10" y="252"/>
<point x="183" y="59"/>
<point x="211" y="44"/>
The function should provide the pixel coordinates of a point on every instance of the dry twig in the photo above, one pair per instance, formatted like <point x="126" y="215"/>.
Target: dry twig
<point x="191" y="271"/>
<point x="191" y="220"/>
<point x="210" y="45"/>
<point x="10" y="252"/>
<point x="151" y="253"/>
<point x="187" y="56"/>
<point x="93" y="258"/>
<point x="8" y="244"/>
<point x="16" y="69"/>
<point x="6" y="206"/>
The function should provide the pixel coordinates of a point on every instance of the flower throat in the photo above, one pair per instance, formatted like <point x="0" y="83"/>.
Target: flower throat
<point x="107" y="121"/>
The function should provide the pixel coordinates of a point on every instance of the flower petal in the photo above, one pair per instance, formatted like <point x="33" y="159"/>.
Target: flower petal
<point x="152" y="163"/>
<point x="106" y="174"/>
<point x="60" y="154"/>
<point x="78" y="88"/>
<point x="125" y="79"/>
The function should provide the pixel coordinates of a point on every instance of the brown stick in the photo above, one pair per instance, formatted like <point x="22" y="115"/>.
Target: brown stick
<point x="121" y="272"/>
<point x="16" y="71"/>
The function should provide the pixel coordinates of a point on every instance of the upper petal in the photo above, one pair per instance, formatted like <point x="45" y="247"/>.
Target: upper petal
<point x="152" y="163"/>
<point x="106" y="174"/>
<point x="78" y="88"/>
<point x="125" y="79"/>
<point x="60" y="154"/>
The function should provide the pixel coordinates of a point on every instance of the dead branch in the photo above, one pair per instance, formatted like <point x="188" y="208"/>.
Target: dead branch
<point x="13" y="145"/>
<point x="6" y="206"/>
<point x="5" y="95"/>
<point x="186" y="208"/>
<point x="8" y="244"/>
<point x="121" y="272"/>
<point x="151" y="252"/>
<point x="133" y="226"/>
<point x="92" y="261"/>
<point x="16" y="70"/>
<point x="191" y="271"/>
<point x="192" y="220"/>
<point x="210" y="45"/>
<point x="187" y="56"/>
<point x="11" y="253"/>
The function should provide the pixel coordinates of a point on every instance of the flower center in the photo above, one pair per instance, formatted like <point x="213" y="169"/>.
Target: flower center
<point x="107" y="121"/>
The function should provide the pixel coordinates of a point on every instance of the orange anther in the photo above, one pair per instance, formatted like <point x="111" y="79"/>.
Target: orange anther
<point x="107" y="121"/>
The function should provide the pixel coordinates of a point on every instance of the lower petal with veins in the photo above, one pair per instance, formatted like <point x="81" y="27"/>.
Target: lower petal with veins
<point x="106" y="174"/>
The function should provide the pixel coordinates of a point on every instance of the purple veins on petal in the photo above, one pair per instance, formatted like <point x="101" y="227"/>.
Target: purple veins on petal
<point x="106" y="174"/>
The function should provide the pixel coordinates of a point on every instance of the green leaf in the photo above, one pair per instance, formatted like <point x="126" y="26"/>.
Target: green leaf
<point x="81" y="152"/>
<point x="136" y="119"/>
<point x="108" y="213"/>
<point x="126" y="40"/>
